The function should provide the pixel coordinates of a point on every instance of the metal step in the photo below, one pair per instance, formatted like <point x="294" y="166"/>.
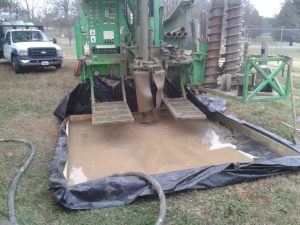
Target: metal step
<point x="104" y="113"/>
<point x="182" y="109"/>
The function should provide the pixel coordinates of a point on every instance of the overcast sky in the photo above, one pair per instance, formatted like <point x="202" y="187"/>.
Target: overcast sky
<point x="267" y="8"/>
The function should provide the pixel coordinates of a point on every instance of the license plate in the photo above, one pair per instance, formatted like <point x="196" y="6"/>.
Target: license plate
<point x="45" y="63"/>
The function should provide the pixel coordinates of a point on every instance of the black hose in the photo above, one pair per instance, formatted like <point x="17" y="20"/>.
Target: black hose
<point x="14" y="184"/>
<point x="12" y="190"/>
<point x="163" y="203"/>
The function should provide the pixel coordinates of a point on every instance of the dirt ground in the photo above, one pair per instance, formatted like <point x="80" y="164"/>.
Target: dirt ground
<point x="27" y="104"/>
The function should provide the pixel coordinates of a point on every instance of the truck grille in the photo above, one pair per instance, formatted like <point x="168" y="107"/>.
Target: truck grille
<point x="41" y="52"/>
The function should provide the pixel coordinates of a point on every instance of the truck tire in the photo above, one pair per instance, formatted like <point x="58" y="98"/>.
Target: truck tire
<point x="58" y="66"/>
<point x="16" y="65"/>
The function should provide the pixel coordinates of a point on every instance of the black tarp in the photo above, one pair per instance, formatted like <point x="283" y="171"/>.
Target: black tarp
<point x="116" y="191"/>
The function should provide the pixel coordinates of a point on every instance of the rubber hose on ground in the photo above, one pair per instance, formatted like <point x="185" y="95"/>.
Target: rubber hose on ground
<point x="163" y="203"/>
<point x="14" y="184"/>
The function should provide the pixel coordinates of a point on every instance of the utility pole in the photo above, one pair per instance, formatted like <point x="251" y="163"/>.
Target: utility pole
<point x="281" y="38"/>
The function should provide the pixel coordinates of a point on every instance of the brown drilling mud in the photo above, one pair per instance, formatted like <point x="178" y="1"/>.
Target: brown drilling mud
<point x="167" y="146"/>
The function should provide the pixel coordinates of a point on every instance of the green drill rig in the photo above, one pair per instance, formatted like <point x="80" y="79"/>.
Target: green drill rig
<point x="128" y="40"/>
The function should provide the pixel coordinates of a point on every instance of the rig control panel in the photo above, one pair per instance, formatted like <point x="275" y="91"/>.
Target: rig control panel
<point x="103" y="24"/>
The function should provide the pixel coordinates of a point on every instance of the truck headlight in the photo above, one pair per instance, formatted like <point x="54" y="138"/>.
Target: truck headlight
<point x="59" y="53"/>
<point x="23" y="53"/>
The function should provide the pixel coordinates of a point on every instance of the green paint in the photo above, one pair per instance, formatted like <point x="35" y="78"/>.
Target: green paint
<point x="252" y="62"/>
<point x="199" y="64"/>
<point x="78" y="37"/>
<point x="103" y="24"/>
<point x="156" y="22"/>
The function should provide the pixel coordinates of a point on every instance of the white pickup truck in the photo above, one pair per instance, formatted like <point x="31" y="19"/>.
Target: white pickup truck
<point x="28" y="48"/>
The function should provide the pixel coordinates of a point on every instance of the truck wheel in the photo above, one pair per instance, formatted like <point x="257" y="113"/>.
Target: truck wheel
<point x="58" y="66"/>
<point x="16" y="65"/>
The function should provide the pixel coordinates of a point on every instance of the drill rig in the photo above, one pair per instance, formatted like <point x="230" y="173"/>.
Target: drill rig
<point x="126" y="43"/>
<point x="134" y="66"/>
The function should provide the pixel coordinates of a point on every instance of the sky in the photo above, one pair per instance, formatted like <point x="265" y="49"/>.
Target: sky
<point x="267" y="8"/>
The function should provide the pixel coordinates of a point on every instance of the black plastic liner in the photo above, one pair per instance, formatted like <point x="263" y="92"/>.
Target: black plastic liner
<point x="78" y="102"/>
<point x="116" y="191"/>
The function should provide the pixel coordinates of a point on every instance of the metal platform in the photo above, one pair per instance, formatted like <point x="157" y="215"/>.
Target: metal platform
<point x="105" y="113"/>
<point x="182" y="109"/>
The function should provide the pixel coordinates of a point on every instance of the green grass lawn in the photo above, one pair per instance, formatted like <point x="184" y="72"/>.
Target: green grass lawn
<point x="27" y="102"/>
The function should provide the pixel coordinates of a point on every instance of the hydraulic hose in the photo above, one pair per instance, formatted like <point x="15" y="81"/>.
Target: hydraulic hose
<point x="12" y="190"/>
<point x="78" y="66"/>
<point x="14" y="184"/>
<point x="163" y="203"/>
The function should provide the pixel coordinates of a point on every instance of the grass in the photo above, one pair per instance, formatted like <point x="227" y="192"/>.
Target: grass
<point x="27" y="103"/>
<point x="271" y="115"/>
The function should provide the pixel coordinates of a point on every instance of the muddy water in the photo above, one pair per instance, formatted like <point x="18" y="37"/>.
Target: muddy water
<point x="167" y="146"/>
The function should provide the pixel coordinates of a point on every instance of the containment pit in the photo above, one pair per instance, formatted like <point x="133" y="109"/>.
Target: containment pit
<point x="162" y="147"/>
<point x="88" y="163"/>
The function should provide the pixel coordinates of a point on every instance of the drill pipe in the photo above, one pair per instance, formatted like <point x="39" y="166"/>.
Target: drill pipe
<point x="214" y="43"/>
<point x="168" y="35"/>
<point x="233" y="39"/>
<point x="179" y="34"/>
<point x="176" y="35"/>
<point x="144" y="29"/>
<point x="180" y="29"/>
<point x="203" y="26"/>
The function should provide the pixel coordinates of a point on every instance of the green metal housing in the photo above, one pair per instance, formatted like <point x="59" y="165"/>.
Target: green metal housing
<point x="108" y="39"/>
<point x="107" y="34"/>
<point x="191" y="70"/>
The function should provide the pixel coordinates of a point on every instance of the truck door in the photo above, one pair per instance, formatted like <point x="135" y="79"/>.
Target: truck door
<point x="7" y="46"/>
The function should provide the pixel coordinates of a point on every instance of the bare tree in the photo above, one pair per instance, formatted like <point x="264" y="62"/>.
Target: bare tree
<point x="288" y="18"/>
<point x="44" y="13"/>
<point x="252" y="19"/>
<point x="29" y="7"/>
<point x="66" y="13"/>
<point x="200" y="5"/>
<point x="13" y="8"/>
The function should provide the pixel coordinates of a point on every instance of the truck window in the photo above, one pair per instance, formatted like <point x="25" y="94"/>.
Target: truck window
<point x="28" y="36"/>
<point x="7" y="39"/>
